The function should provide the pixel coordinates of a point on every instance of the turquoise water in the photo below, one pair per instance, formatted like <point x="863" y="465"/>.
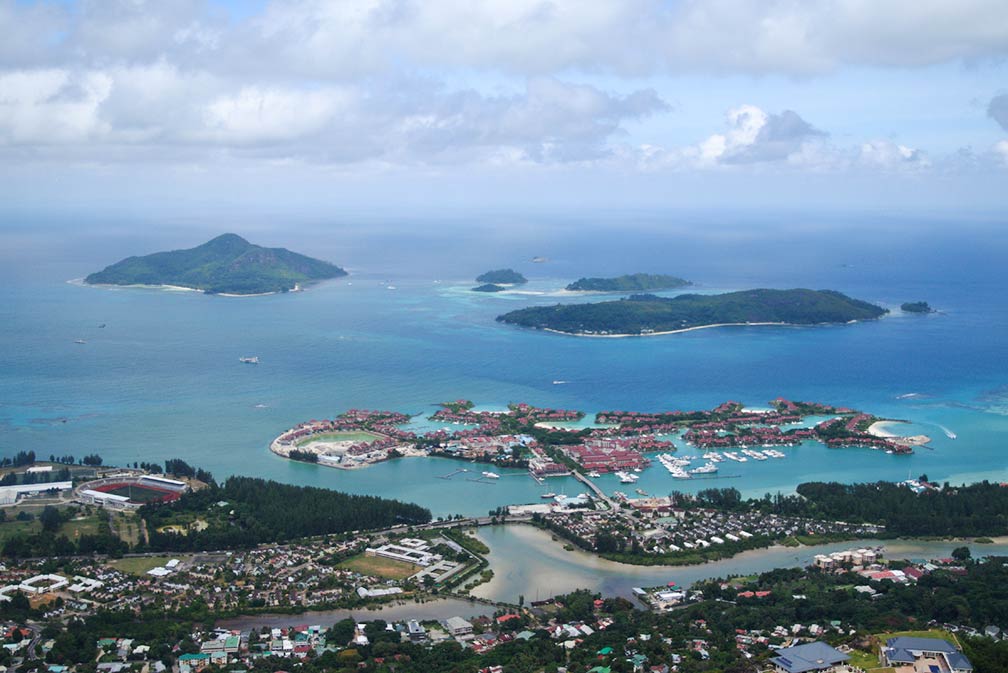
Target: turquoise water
<point x="162" y="379"/>
<point x="527" y="562"/>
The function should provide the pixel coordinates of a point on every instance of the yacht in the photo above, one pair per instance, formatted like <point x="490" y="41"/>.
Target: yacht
<point x="254" y="360"/>
<point x="594" y="475"/>
<point x="707" y="468"/>
<point x="491" y="475"/>
<point x="546" y="496"/>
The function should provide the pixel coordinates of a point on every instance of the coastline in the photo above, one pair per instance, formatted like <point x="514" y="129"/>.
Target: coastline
<point x="175" y="288"/>
<point x="879" y="429"/>
<point x="674" y="331"/>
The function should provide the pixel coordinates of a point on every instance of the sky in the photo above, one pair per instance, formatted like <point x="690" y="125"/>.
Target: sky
<point x="123" y="107"/>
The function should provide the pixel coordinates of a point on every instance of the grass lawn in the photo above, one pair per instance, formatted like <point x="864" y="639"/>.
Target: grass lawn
<point x="139" y="565"/>
<point x="9" y="528"/>
<point x="377" y="566"/>
<point x="863" y="660"/>
<point x="86" y="525"/>
<point x="338" y="437"/>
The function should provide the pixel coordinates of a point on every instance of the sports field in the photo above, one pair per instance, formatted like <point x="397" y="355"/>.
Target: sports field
<point x="136" y="493"/>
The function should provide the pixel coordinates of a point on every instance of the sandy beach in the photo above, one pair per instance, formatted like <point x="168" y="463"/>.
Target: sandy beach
<point x="674" y="331"/>
<point x="880" y="429"/>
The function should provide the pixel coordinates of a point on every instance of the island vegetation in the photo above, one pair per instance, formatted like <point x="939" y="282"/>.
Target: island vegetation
<point x="647" y="314"/>
<point x="637" y="282"/>
<point x="244" y="512"/>
<point x="227" y="264"/>
<point x="502" y="277"/>
<point x="489" y="287"/>
<point x="916" y="307"/>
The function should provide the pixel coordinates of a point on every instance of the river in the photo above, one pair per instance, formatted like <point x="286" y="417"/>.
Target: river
<point x="527" y="562"/>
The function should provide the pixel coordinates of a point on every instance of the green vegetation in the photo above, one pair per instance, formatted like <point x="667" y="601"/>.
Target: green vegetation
<point x="338" y="437"/>
<point x="376" y="566"/>
<point x="139" y="565"/>
<point x="489" y="287"/>
<point x="228" y="264"/>
<point x="645" y="313"/>
<point x="58" y="531"/>
<point x="255" y="511"/>
<point x="638" y="282"/>
<point x="502" y="277"/>
<point x="977" y="509"/>
<point x="916" y="307"/>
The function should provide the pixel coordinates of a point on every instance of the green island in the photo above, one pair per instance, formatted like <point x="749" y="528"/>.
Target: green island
<point x="643" y="314"/>
<point x="489" y="287"/>
<point x="637" y="282"/>
<point x="916" y="307"/>
<point x="502" y="277"/>
<point x="227" y="264"/>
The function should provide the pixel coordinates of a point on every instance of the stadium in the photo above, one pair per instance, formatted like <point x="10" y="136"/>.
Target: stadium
<point x="130" y="491"/>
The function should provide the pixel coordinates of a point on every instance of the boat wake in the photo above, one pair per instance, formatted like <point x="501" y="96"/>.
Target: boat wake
<point x="948" y="433"/>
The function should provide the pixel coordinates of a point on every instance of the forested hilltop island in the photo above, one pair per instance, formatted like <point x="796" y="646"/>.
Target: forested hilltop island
<point x="916" y="307"/>
<point x="227" y="264"/>
<point x="637" y="282"/>
<point x="498" y="280"/>
<point x="643" y="314"/>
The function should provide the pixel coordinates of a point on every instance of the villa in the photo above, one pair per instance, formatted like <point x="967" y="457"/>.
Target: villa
<point x="924" y="654"/>
<point x="814" y="657"/>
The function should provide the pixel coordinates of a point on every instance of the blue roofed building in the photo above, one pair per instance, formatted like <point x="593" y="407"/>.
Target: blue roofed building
<point x="924" y="654"/>
<point x="812" y="657"/>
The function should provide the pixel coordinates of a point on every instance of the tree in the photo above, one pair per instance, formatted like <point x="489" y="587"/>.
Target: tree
<point x="961" y="554"/>
<point x="51" y="519"/>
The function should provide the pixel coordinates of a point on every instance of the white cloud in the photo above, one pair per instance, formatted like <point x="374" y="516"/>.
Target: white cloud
<point x="1001" y="149"/>
<point x="755" y="136"/>
<point x="997" y="110"/>
<point x="890" y="155"/>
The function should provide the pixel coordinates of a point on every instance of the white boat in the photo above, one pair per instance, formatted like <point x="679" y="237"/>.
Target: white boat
<point x="559" y="382"/>
<point x="706" y="468"/>
<point x="626" y="477"/>
<point x="546" y="496"/>
<point x="80" y="341"/>
<point x="491" y="475"/>
<point x="594" y="475"/>
<point x="254" y="360"/>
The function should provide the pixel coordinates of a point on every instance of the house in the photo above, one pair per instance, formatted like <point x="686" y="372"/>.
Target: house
<point x="416" y="632"/>
<point x="924" y="653"/>
<point x="457" y="626"/>
<point x="815" y="656"/>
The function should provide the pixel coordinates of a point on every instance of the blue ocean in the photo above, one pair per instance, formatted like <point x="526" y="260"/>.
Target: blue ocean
<point x="162" y="378"/>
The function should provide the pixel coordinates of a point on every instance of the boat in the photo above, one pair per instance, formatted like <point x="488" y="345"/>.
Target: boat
<point x="626" y="477"/>
<point x="491" y="475"/>
<point x="594" y="475"/>
<point x="948" y="433"/>
<point x="546" y="496"/>
<point x="80" y="341"/>
<point x="707" y="468"/>
<point x="641" y="491"/>
<point x="254" y="360"/>
<point x="101" y="326"/>
<point x="559" y="382"/>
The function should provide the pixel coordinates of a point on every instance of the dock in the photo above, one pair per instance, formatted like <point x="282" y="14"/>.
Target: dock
<point x="451" y="474"/>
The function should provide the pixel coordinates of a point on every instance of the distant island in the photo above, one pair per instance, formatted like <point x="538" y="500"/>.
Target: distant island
<point x="227" y="264"/>
<point x="489" y="287"/>
<point x="502" y="277"/>
<point x="916" y="307"/>
<point x="645" y="314"/>
<point x="637" y="282"/>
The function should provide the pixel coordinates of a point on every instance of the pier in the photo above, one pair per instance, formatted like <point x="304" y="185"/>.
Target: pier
<point x="452" y="474"/>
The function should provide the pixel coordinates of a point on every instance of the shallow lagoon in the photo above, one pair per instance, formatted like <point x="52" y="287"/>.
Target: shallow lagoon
<point x="528" y="562"/>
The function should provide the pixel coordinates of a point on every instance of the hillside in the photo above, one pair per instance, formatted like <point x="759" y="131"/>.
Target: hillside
<point x="502" y="277"/>
<point x="645" y="313"/>
<point x="226" y="264"/>
<point x="637" y="282"/>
